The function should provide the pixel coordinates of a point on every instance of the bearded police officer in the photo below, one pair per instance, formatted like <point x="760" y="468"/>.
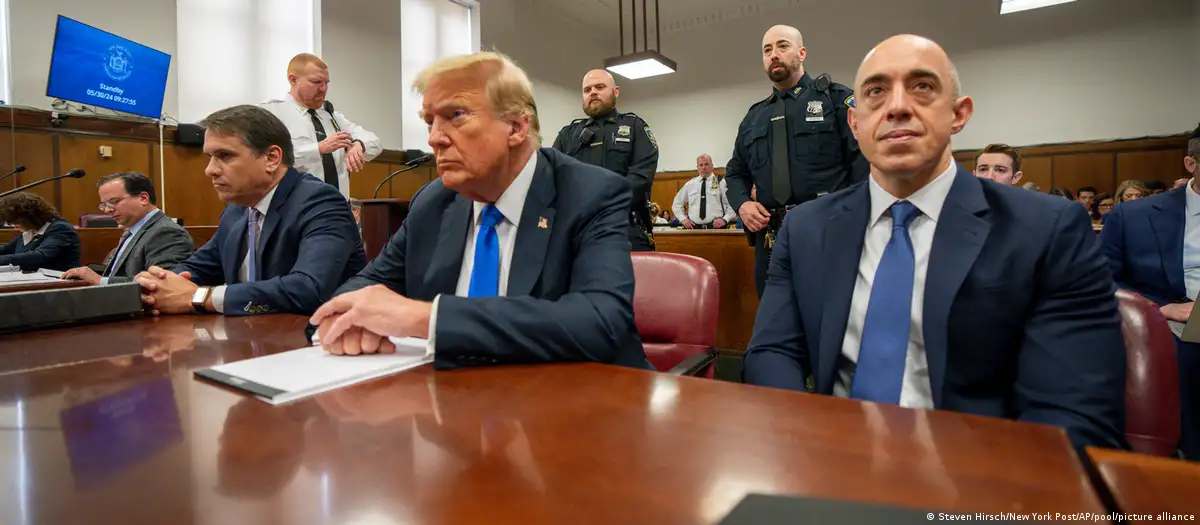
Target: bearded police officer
<point x="793" y="147"/>
<point x="621" y="142"/>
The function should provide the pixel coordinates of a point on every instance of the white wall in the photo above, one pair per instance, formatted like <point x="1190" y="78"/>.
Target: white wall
<point x="1102" y="69"/>
<point x="363" y="53"/>
<point x="31" y="34"/>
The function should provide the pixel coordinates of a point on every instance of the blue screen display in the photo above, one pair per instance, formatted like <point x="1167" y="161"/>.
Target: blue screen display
<point x="91" y="66"/>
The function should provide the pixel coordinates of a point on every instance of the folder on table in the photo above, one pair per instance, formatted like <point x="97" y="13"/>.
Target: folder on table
<point x="296" y="374"/>
<point x="762" y="509"/>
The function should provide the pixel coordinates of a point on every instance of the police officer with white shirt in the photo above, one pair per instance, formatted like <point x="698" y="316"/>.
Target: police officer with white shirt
<point x="326" y="144"/>
<point x="704" y="195"/>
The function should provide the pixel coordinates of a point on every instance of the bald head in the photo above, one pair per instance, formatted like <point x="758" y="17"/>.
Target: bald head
<point x="908" y="105"/>
<point x="783" y="56"/>
<point x="600" y="93"/>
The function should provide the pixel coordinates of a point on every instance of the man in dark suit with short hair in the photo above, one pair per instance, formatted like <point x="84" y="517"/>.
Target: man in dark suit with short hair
<point x="150" y="238"/>
<point x="928" y="288"/>
<point x="1153" y="248"/>
<point x="303" y="237"/>
<point x="513" y="255"/>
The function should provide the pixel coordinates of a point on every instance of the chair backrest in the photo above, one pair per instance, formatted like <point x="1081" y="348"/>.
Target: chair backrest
<point x="675" y="305"/>
<point x="96" y="220"/>
<point x="1152" y="410"/>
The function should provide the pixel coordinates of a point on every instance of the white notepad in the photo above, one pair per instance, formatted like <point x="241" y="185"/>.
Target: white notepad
<point x="296" y="374"/>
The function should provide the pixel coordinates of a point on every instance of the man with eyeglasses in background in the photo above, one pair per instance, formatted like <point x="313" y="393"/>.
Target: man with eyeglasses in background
<point x="150" y="237"/>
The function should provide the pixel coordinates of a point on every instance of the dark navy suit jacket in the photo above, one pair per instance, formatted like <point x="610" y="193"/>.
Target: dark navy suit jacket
<point x="1020" y="319"/>
<point x="309" y="246"/>
<point x="570" y="287"/>
<point x="1143" y="242"/>
<point x="57" y="249"/>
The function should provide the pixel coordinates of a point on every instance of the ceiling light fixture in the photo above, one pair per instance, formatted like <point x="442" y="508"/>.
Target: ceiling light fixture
<point x="1013" y="6"/>
<point x="644" y="63"/>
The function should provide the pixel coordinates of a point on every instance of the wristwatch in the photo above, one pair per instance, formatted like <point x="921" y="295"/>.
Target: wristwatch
<point x="201" y="297"/>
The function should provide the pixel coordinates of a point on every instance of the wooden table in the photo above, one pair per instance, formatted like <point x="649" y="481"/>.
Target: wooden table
<point x="733" y="258"/>
<point x="1149" y="486"/>
<point x="119" y="431"/>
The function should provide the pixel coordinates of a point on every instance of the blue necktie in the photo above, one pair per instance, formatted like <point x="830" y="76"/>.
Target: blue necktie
<point x="485" y="272"/>
<point x="252" y="244"/>
<point x="880" y="371"/>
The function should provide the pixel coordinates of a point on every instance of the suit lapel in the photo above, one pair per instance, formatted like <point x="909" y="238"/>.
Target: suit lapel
<point x="840" y="259"/>
<point x="1168" y="221"/>
<point x="231" y="249"/>
<point x="442" y="276"/>
<point x="962" y="228"/>
<point x="274" y="214"/>
<point x="533" y="235"/>
<point x="132" y="242"/>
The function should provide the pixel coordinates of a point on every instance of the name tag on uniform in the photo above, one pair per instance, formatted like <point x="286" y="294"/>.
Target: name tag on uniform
<point x="619" y="139"/>
<point x="816" y="111"/>
<point x="594" y="144"/>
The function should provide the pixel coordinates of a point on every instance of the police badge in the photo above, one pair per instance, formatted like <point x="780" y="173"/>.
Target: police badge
<point x="623" y="131"/>
<point x="816" y="111"/>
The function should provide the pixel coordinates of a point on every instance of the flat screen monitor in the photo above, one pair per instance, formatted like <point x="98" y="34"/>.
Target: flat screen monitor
<point x="92" y="66"/>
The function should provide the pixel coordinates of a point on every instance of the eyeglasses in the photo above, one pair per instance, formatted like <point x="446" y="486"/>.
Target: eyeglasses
<point x="112" y="203"/>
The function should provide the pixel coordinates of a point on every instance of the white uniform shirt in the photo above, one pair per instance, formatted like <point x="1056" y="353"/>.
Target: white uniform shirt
<point x="716" y="207"/>
<point x="304" y="138"/>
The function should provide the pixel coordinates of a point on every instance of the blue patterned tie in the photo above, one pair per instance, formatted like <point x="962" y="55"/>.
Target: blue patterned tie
<point x="880" y="371"/>
<point x="485" y="272"/>
<point x="252" y="244"/>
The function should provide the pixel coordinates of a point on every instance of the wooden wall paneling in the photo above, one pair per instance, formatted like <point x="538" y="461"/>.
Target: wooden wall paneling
<point x="35" y="151"/>
<point x="364" y="182"/>
<point x="1162" y="165"/>
<point x="7" y="159"/>
<point x="405" y="185"/>
<point x="189" y="194"/>
<point x="1089" y="169"/>
<point x="1038" y="170"/>
<point x="733" y="259"/>
<point x="663" y="192"/>
<point x="79" y="195"/>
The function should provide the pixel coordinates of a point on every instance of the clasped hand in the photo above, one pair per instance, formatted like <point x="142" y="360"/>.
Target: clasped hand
<point x="361" y="321"/>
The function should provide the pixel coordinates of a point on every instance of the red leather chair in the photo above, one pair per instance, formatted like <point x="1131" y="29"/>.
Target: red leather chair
<point x="675" y="306"/>
<point x="1152" y="413"/>
<point x="96" y="220"/>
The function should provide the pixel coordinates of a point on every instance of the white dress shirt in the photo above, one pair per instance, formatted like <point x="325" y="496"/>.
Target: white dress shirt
<point x="717" y="206"/>
<point x="27" y="237"/>
<point x="915" y="391"/>
<point x="511" y="203"/>
<point x="305" y="143"/>
<point x="133" y="230"/>
<point x="218" y="293"/>
<point x="1191" y="252"/>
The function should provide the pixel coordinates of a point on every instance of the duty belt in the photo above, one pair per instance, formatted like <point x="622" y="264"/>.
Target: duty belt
<point x="774" y="224"/>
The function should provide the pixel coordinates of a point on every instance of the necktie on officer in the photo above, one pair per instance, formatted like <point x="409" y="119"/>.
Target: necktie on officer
<point x="485" y="271"/>
<point x="112" y="264"/>
<point x="252" y="220"/>
<point x="879" y="374"/>
<point x="781" y="176"/>
<point x="703" y="199"/>
<point x="330" y="168"/>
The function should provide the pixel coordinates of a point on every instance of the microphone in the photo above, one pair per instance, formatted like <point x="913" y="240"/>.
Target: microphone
<point x="17" y="169"/>
<point x="408" y="166"/>
<point x="329" y="109"/>
<point x="76" y="173"/>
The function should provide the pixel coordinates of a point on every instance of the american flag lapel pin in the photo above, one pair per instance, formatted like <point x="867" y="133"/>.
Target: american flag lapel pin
<point x="543" y="223"/>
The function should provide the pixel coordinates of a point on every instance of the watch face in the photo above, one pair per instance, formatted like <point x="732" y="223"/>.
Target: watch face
<point x="199" y="296"/>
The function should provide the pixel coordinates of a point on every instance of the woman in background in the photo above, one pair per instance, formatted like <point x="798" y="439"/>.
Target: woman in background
<point x="46" y="241"/>
<point x="1130" y="190"/>
<point x="1104" y="204"/>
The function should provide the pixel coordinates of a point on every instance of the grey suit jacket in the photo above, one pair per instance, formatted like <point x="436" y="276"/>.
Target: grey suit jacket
<point x="160" y="242"/>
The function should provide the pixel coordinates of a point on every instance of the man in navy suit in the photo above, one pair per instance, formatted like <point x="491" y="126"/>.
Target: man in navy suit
<point x="1153" y="248"/>
<point x="514" y="254"/>
<point x="929" y="288"/>
<point x="305" y="241"/>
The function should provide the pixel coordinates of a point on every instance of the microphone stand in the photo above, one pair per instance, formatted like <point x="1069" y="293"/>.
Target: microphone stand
<point x="18" y="169"/>
<point x="408" y="166"/>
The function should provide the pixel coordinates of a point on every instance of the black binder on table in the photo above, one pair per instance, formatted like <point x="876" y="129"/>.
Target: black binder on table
<point x="32" y="310"/>
<point x="761" y="509"/>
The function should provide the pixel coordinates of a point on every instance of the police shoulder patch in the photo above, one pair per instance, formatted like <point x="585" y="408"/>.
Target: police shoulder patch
<point x="849" y="101"/>
<point x="650" y="136"/>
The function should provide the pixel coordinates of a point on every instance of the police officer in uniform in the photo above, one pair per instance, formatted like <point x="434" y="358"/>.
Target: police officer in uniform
<point x="621" y="142"/>
<point x="794" y="146"/>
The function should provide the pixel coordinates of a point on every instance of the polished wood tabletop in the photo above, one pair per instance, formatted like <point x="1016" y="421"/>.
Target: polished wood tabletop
<point x="1161" y="488"/>
<point x="106" y="424"/>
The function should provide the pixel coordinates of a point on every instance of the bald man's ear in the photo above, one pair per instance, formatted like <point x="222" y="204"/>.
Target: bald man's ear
<point x="616" y="91"/>
<point x="852" y="119"/>
<point x="964" y="107"/>
<point x="292" y="78"/>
